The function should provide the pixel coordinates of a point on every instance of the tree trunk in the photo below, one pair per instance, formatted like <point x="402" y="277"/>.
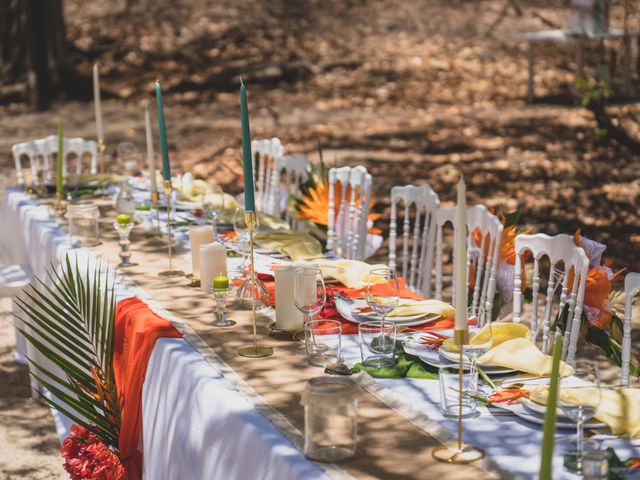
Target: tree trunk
<point x="33" y="55"/>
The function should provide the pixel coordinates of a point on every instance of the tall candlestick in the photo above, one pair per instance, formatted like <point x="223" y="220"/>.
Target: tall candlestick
<point x="460" y="257"/>
<point x="164" y="149"/>
<point x="249" y="201"/>
<point x="60" y="160"/>
<point x="97" y="103"/>
<point x="150" y="154"/>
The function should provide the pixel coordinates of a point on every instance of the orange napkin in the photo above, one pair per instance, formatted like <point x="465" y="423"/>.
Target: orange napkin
<point x="136" y="331"/>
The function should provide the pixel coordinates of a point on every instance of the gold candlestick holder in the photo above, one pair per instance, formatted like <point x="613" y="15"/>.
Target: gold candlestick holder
<point x="171" y="272"/>
<point x="459" y="453"/>
<point x="253" y="351"/>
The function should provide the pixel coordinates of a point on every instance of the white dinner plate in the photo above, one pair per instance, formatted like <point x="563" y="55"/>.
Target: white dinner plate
<point x="454" y="358"/>
<point x="185" y="205"/>
<point x="345" y="308"/>
<point x="540" y="409"/>
<point x="538" y="418"/>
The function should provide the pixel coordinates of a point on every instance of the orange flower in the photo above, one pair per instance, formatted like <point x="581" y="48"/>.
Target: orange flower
<point x="596" y="295"/>
<point x="507" y="245"/>
<point x="508" y="395"/>
<point x="315" y="206"/>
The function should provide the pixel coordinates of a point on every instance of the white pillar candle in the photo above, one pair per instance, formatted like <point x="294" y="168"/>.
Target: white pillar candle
<point x="151" y="160"/>
<point x="97" y="103"/>
<point x="213" y="262"/>
<point x="460" y="257"/>
<point x="288" y="317"/>
<point x="198" y="236"/>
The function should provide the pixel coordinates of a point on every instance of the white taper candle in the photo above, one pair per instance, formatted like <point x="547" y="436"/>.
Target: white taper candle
<point x="460" y="257"/>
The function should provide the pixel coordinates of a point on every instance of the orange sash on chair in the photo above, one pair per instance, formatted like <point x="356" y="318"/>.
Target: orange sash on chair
<point x="137" y="329"/>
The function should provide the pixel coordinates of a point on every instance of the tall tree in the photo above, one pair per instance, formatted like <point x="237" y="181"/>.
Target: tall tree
<point x="34" y="64"/>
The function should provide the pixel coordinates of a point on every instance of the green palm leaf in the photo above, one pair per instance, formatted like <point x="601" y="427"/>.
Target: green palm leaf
<point x="70" y="320"/>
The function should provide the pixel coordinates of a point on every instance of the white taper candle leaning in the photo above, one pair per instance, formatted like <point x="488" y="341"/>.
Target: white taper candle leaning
<point x="460" y="257"/>
<point x="151" y="160"/>
<point x="97" y="103"/>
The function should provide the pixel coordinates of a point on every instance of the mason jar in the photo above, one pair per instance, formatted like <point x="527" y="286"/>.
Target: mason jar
<point x="330" y="418"/>
<point x="83" y="224"/>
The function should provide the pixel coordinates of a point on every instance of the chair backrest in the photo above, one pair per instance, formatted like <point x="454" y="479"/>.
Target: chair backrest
<point x="292" y="172"/>
<point x="631" y="287"/>
<point x="416" y="267"/>
<point x="484" y="257"/>
<point x="40" y="154"/>
<point x="566" y="260"/>
<point x="267" y="154"/>
<point x="347" y="232"/>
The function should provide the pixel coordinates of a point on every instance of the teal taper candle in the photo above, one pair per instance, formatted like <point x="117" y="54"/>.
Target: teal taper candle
<point x="164" y="149"/>
<point x="249" y="201"/>
<point x="60" y="159"/>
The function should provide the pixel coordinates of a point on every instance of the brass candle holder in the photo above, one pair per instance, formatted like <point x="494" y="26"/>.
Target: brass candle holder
<point x="459" y="453"/>
<point x="171" y="272"/>
<point x="253" y="351"/>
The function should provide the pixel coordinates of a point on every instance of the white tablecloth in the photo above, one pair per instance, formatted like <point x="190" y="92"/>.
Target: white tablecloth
<point x="196" y="425"/>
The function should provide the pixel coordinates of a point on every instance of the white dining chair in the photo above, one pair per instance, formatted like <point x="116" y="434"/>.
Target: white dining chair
<point x="416" y="266"/>
<point x="347" y="232"/>
<point x="292" y="172"/>
<point x="267" y="155"/>
<point x="564" y="256"/>
<point x="485" y="265"/>
<point x="631" y="288"/>
<point x="41" y="153"/>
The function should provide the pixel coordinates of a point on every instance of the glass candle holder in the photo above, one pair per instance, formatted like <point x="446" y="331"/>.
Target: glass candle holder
<point x="221" y="293"/>
<point x="330" y="418"/>
<point x="83" y="224"/>
<point x="124" y="226"/>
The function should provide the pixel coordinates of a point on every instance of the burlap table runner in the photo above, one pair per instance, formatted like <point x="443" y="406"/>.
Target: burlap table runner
<point x="389" y="445"/>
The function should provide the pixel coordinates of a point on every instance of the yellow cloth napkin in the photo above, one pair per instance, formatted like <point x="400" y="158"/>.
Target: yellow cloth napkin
<point x="521" y="354"/>
<point x="298" y="245"/>
<point x="500" y="333"/>
<point x="618" y="408"/>
<point x="351" y="273"/>
<point x="422" y="307"/>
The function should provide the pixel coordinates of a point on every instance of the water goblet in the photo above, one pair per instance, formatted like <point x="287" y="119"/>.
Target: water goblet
<point x="213" y="207"/>
<point x="309" y="291"/>
<point x="478" y="345"/>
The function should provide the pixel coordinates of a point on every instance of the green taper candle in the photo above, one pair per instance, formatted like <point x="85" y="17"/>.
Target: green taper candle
<point x="60" y="158"/>
<point x="548" y="438"/>
<point x="249" y="200"/>
<point x="164" y="149"/>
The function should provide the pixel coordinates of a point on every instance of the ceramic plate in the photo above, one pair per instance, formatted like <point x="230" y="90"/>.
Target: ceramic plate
<point x="346" y="308"/>
<point x="539" y="409"/>
<point x="538" y="418"/>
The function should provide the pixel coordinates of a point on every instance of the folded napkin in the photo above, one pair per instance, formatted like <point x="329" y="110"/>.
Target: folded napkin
<point x="351" y="273"/>
<point x="424" y="307"/>
<point x="618" y="408"/>
<point x="298" y="245"/>
<point x="521" y="354"/>
<point x="500" y="333"/>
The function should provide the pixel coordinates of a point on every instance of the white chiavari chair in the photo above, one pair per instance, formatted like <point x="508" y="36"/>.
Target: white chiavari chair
<point x="416" y="266"/>
<point x="267" y="154"/>
<point x="566" y="260"/>
<point x="41" y="152"/>
<point x="483" y="257"/>
<point x="631" y="288"/>
<point x="291" y="174"/>
<point x="347" y="232"/>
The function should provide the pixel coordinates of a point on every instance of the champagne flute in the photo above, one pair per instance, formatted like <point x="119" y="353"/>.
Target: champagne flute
<point x="478" y="345"/>
<point x="309" y="291"/>
<point x="242" y="231"/>
<point x="213" y="207"/>
<point x="586" y="371"/>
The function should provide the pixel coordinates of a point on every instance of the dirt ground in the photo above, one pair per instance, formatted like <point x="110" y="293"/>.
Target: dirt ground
<point x="412" y="90"/>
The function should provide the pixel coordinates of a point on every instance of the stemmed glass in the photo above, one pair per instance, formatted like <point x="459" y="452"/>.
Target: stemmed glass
<point x="213" y="207"/>
<point x="587" y="371"/>
<point x="478" y="345"/>
<point x="383" y="291"/>
<point x="309" y="291"/>
<point x="242" y="231"/>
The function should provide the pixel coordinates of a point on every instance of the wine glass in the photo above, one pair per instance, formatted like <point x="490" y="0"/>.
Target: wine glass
<point x="383" y="291"/>
<point x="589" y="395"/>
<point x="478" y="345"/>
<point x="309" y="291"/>
<point x="213" y="207"/>
<point x="242" y="231"/>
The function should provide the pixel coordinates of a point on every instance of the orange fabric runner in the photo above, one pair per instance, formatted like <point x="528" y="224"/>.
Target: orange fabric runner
<point x="137" y="329"/>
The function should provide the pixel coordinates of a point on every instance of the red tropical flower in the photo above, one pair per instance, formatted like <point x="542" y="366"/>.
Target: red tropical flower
<point x="86" y="457"/>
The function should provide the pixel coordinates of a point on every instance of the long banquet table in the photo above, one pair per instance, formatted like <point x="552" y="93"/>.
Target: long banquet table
<point x="209" y="413"/>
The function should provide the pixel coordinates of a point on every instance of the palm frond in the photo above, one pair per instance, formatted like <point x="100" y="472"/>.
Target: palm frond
<point x="70" y="321"/>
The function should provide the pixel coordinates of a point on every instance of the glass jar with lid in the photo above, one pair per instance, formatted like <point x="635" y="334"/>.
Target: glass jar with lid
<point x="83" y="223"/>
<point x="330" y="418"/>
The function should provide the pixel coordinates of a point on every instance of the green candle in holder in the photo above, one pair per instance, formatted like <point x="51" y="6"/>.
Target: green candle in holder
<point x="123" y="219"/>
<point x="220" y="293"/>
<point x="220" y="283"/>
